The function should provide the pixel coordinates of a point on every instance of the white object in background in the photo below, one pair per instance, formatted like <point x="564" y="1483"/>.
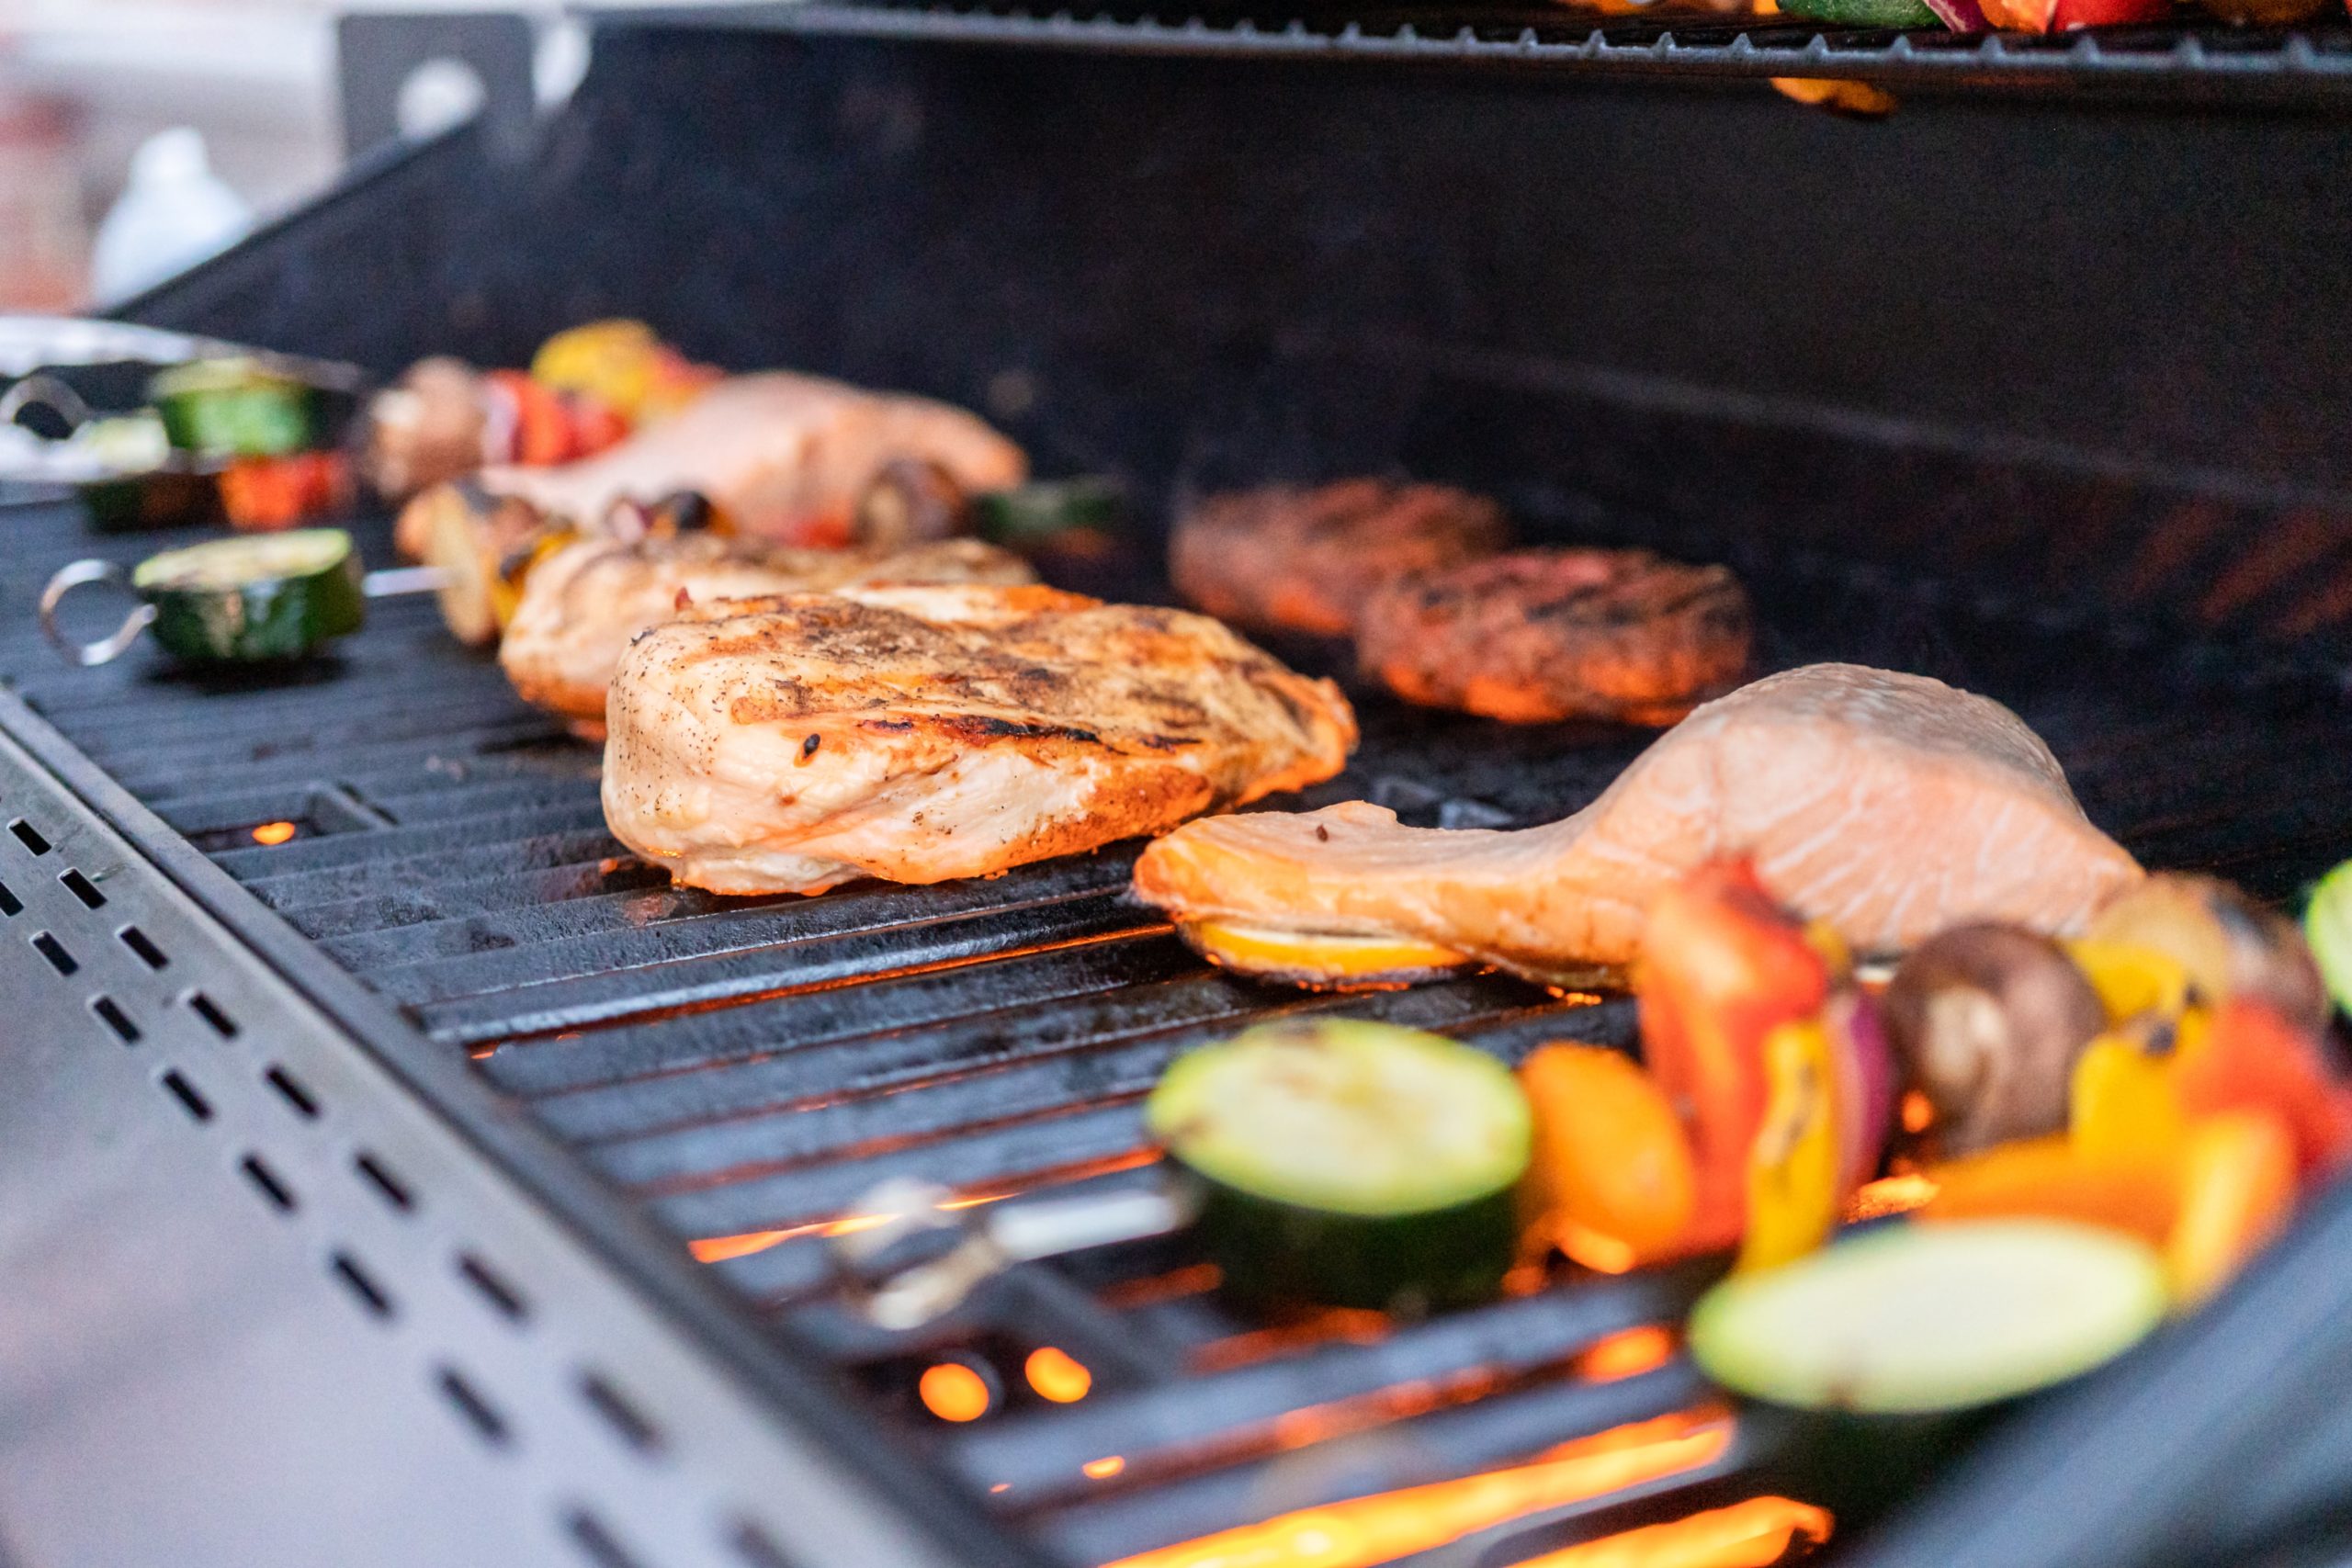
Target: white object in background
<point x="174" y="213"/>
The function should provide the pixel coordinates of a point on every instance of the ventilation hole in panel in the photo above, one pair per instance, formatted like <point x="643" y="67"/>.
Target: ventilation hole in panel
<point x="380" y="1176"/>
<point x="361" y="1284"/>
<point x="756" y="1548"/>
<point x="138" y="941"/>
<point x="28" y="836"/>
<point x="467" y="1401"/>
<point x="620" y="1414"/>
<point x="187" y="1094"/>
<point x="294" y="1091"/>
<point x="267" y="1183"/>
<point x="48" y="947"/>
<point x="82" y="887"/>
<point x="114" y="1018"/>
<point x="211" y="1011"/>
<point x="493" y="1287"/>
<point x="596" y="1542"/>
<point x="10" y="904"/>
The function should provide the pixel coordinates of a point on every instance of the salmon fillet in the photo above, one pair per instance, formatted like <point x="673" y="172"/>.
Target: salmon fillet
<point x="781" y="457"/>
<point x="1891" y="805"/>
<point x="581" y="605"/>
<point x="923" y="733"/>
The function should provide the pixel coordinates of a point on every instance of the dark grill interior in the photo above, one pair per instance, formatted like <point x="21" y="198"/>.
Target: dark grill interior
<point x="746" y="1069"/>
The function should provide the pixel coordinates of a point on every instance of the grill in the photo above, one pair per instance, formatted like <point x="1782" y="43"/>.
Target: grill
<point x="651" y="1076"/>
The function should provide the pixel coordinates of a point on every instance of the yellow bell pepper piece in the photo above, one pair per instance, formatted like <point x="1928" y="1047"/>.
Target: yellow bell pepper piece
<point x="2124" y="1107"/>
<point x="2132" y="980"/>
<point x="1792" y="1166"/>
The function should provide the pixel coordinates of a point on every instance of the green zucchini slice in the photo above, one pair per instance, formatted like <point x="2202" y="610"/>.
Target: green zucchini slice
<point x="1345" y="1163"/>
<point x="269" y="597"/>
<point x="234" y="408"/>
<point x="1864" y="12"/>
<point x="1915" y="1319"/>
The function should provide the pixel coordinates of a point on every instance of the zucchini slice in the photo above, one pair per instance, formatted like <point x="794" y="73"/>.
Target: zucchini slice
<point x="1345" y="1163"/>
<point x="1916" y="1319"/>
<point x="234" y="408"/>
<point x="1320" y="962"/>
<point x="270" y="596"/>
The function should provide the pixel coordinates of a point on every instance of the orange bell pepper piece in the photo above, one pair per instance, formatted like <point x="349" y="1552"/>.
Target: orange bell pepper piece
<point x="1721" y="966"/>
<point x="2050" y="1176"/>
<point x="2247" y="1056"/>
<point x="2237" y="1190"/>
<point x="1610" y="1159"/>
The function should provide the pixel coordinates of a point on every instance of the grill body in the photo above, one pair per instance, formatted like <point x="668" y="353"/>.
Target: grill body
<point x="2015" y="389"/>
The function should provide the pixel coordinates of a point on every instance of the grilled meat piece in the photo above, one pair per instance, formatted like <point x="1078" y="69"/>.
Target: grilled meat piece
<point x="781" y="457"/>
<point x="1306" y="559"/>
<point x="1538" y="636"/>
<point x="923" y="733"/>
<point x="1891" y="805"/>
<point x="581" y="605"/>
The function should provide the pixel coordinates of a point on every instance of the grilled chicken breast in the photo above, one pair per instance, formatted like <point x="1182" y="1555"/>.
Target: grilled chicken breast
<point x="1534" y="637"/>
<point x="781" y="457"/>
<point x="1891" y="805"/>
<point x="581" y="605"/>
<point x="923" y="733"/>
<point x="1306" y="559"/>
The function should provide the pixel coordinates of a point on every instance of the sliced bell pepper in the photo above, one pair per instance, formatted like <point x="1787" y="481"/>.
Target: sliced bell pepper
<point x="2050" y="1177"/>
<point x="2237" y="1190"/>
<point x="1610" y="1158"/>
<point x="2124" y="1108"/>
<point x="2133" y="981"/>
<point x="1721" y="965"/>
<point x="1793" y="1169"/>
<point x="2246" y="1057"/>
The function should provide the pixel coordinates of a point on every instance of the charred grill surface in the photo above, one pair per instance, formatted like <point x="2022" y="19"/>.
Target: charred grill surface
<point x="746" y="1068"/>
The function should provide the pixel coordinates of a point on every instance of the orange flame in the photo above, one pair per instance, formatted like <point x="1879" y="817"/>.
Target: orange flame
<point x="953" y="1392"/>
<point x="1627" y="1353"/>
<point x="1752" y="1534"/>
<point x="274" y="833"/>
<point x="1104" y="1468"/>
<point x="1363" y="1531"/>
<point x="1057" y="1375"/>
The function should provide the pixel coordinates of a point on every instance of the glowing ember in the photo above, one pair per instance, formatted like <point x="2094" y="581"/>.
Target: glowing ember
<point x="1601" y="1254"/>
<point x="953" y="1392"/>
<point x="1889" y="1195"/>
<point x="274" y="833"/>
<point x="1627" y="1353"/>
<point x="1104" y="1468"/>
<point x="1918" y="1112"/>
<point x="1363" y="1531"/>
<point x="1753" y="1534"/>
<point x="1056" y="1376"/>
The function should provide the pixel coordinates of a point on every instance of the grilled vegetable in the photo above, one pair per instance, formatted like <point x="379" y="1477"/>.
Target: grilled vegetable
<point x="1924" y="1318"/>
<point x="2053" y="1179"/>
<point x="1721" y="966"/>
<point x="2230" y="945"/>
<point x="234" y="408"/>
<point x="2247" y="1056"/>
<point x="2125" y="1104"/>
<point x="1349" y="1163"/>
<point x="274" y="597"/>
<point x="1612" y="1183"/>
<point x="2237" y="1190"/>
<point x="2136" y="984"/>
<point x="1320" y="963"/>
<point x="1865" y="13"/>
<point x="1987" y="1021"/>
<point x="1046" y="509"/>
<point x="1794" y="1166"/>
<point x="2328" y="926"/>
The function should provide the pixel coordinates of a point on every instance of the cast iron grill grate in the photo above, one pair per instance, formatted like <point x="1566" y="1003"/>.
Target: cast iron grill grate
<point x="746" y="1069"/>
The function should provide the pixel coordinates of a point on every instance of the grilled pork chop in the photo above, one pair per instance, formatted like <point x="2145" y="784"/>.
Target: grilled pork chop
<point x="781" y="457"/>
<point x="1891" y="805"/>
<point x="581" y="605"/>
<point x="1538" y="636"/>
<point x="923" y="733"/>
<point x="1306" y="559"/>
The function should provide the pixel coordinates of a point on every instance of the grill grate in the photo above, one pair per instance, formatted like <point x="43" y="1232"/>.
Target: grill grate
<point x="745" y="1069"/>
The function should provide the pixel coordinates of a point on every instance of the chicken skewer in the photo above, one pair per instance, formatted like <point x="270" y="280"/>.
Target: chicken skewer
<point x="1890" y="806"/>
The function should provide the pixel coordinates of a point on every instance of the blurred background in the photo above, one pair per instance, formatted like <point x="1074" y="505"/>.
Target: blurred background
<point x="87" y="217"/>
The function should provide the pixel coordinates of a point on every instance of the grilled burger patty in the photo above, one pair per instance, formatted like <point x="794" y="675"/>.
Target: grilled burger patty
<point x="1537" y="635"/>
<point x="1306" y="559"/>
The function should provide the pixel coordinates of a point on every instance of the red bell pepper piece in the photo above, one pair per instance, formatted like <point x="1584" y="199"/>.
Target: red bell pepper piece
<point x="2249" y="1057"/>
<point x="1721" y="966"/>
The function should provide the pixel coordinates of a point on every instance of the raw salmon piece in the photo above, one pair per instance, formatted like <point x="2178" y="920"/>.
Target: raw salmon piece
<point x="1891" y="805"/>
